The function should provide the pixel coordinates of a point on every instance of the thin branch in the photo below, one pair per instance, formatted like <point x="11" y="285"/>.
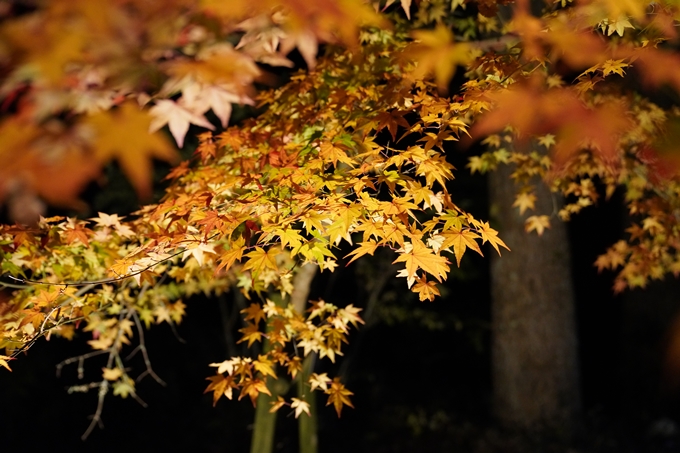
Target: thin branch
<point x="104" y="385"/>
<point x="97" y="282"/>
<point x="97" y="416"/>
<point x="107" y="280"/>
<point x="80" y="359"/>
<point x="142" y="348"/>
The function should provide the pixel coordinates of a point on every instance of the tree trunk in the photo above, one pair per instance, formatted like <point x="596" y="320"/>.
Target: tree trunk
<point x="307" y="424"/>
<point x="265" y="422"/>
<point x="534" y="346"/>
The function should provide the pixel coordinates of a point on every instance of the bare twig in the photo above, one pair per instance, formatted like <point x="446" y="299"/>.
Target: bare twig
<point x="141" y="347"/>
<point x="97" y="416"/>
<point x="104" y="384"/>
<point x="80" y="359"/>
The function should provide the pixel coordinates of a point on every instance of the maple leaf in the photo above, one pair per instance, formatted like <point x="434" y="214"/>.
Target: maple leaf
<point x="229" y="257"/>
<point x="78" y="232"/>
<point x="426" y="290"/>
<point x="416" y="255"/>
<point x="197" y="250"/>
<point x="338" y="396"/>
<point x="547" y="140"/>
<point x="461" y="239"/>
<point x="276" y="405"/>
<point x="300" y="406"/>
<point x="112" y="374"/>
<point x="200" y="98"/>
<point x="124" y="387"/>
<point x="220" y="385"/>
<point x="538" y="223"/>
<point x="123" y="134"/>
<point x="3" y="361"/>
<point x="619" y="25"/>
<point x="227" y="365"/>
<point x="524" y="201"/>
<point x="106" y="220"/>
<point x="178" y="119"/>
<point x="319" y="381"/>
<point x="330" y="152"/>
<point x="260" y="260"/>
<point x="264" y="366"/>
<point x="305" y="41"/>
<point x="614" y="66"/>
<point x="435" y="51"/>
<point x="254" y="312"/>
<point x="490" y="235"/>
<point x="251" y="334"/>
<point x="253" y="388"/>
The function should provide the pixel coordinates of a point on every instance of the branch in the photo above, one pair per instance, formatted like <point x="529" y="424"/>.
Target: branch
<point x="104" y="281"/>
<point x="142" y="347"/>
<point x="97" y="416"/>
<point x="96" y="282"/>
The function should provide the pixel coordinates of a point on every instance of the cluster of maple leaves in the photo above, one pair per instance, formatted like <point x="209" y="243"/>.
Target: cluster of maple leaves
<point x="349" y="153"/>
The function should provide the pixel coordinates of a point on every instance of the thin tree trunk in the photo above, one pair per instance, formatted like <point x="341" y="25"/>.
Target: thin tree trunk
<point x="264" y="426"/>
<point x="307" y="425"/>
<point x="265" y="422"/>
<point x="534" y="346"/>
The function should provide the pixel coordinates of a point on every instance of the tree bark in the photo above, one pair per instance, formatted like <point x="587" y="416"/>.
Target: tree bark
<point x="534" y="346"/>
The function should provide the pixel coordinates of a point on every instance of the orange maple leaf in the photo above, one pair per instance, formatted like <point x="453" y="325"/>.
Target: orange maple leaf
<point x="253" y="388"/>
<point x="220" y="385"/>
<point x="123" y="134"/>
<point x="338" y="396"/>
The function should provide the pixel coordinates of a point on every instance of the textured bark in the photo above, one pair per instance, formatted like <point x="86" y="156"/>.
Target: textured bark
<point x="534" y="347"/>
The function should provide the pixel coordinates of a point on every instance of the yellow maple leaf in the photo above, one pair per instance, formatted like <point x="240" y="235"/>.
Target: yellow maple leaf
<point x="123" y="134"/>
<point x="461" y="239"/>
<point x="111" y="374"/>
<point x="614" y="66"/>
<point x="426" y="290"/>
<point x="524" y="201"/>
<point x="418" y="256"/>
<point x="264" y="366"/>
<point x="435" y="52"/>
<point x="538" y="223"/>
<point x="490" y="235"/>
<point x="261" y="260"/>
<point x="3" y="361"/>
<point x="369" y="247"/>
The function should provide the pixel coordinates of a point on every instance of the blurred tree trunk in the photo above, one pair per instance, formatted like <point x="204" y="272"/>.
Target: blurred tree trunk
<point x="534" y="346"/>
